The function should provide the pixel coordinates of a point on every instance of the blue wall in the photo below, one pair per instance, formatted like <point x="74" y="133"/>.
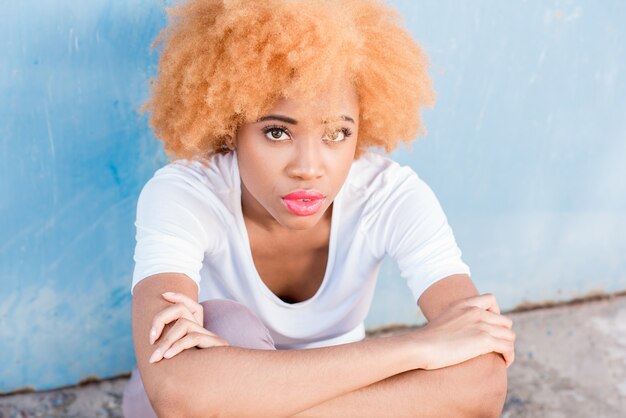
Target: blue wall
<point x="526" y="146"/>
<point x="75" y="156"/>
<point x="524" y="149"/>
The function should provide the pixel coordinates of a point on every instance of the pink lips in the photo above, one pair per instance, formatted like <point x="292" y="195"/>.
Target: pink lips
<point x="304" y="202"/>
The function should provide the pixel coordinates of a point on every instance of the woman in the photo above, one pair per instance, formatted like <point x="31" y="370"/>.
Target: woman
<point x="259" y="245"/>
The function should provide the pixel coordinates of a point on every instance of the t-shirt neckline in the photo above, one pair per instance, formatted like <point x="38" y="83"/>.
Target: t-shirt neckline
<point x="334" y="224"/>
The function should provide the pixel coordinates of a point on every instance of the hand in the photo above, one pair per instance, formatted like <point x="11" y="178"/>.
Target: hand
<point x="187" y="332"/>
<point x="467" y="329"/>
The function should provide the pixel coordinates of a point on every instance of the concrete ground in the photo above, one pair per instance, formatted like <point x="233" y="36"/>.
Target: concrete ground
<point x="570" y="362"/>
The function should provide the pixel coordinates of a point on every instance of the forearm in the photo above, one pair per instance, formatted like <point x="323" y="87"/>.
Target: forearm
<point x="233" y="381"/>
<point x="474" y="388"/>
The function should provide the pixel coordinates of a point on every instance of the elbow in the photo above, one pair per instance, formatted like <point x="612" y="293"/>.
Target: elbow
<point x="491" y="383"/>
<point x="168" y="401"/>
<point x="174" y="396"/>
<point x="177" y="400"/>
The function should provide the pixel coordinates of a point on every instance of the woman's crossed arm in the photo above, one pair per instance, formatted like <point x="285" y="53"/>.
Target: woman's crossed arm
<point x="375" y="376"/>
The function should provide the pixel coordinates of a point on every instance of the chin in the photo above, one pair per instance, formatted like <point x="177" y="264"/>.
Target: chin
<point x="296" y="222"/>
<point x="302" y="223"/>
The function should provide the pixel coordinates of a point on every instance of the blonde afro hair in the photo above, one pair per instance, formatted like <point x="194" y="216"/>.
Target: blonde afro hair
<point x="225" y="62"/>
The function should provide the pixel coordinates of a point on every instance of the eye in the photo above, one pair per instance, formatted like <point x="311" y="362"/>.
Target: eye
<point x="275" y="133"/>
<point x="339" y="135"/>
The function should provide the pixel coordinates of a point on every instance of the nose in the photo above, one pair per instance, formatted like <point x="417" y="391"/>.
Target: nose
<point x="307" y="162"/>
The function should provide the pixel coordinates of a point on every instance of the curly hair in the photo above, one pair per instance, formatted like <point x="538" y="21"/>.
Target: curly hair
<point x="225" y="62"/>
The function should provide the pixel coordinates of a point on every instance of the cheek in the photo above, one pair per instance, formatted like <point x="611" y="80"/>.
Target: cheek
<point x="342" y="168"/>
<point x="258" y="176"/>
<point x="347" y="157"/>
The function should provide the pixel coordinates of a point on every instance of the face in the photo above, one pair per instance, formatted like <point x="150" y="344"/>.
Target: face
<point x="296" y="145"/>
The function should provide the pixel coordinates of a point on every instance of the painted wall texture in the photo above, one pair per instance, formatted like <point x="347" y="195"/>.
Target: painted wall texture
<point x="525" y="150"/>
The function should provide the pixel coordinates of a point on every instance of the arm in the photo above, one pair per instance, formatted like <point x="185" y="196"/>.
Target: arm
<point x="486" y="376"/>
<point x="475" y="388"/>
<point x="415" y="232"/>
<point x="234" y="381"/>
<point x="419" y="393"/>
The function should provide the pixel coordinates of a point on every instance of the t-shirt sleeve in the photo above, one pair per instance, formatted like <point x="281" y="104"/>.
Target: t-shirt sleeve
<point x="170" y="234"/>
<point x="417" y="235"/>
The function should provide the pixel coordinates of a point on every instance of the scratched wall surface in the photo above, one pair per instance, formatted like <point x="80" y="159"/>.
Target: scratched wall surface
<point x="526" y="146"/>
<point x="75" y="156"/>
<point x="525" y="150"/>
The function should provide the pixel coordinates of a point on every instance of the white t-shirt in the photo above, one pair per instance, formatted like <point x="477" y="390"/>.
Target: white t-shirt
<point x="189" y="220"/>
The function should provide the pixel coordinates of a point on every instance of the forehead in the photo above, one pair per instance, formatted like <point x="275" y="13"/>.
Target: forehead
<point x="327" y="104"/>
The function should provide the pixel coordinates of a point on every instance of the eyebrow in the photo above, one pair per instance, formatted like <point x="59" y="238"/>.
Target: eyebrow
<point x="293" y="121"/>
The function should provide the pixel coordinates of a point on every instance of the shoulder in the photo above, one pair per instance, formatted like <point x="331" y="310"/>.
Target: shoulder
<point x="377" y="174"/>
<point x="192" y="183"/>
<point x="377" y="181"/>
<point x="372" y="167"/>
<point x="214" y="175"/>
<point x="188" y="190"/>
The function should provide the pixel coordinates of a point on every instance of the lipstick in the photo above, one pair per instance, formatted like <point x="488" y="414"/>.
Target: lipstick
<point x="304" y="202"/>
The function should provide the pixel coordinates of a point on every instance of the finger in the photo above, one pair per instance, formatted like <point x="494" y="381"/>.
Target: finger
<point x="512" y="359"/>
<point x="181" y="328"/>
<point x="166" y="316"/>
<point x="509" y="358"/>
<point x="506" y="349"/>
<point x="485" y="301"/>
<point x="496" y="319"/>
<point x="194" y="339"/>
<point x="194" y="307"/>
<point x="495" y="308"/>
<point x="505" y="358"/>
<point x="498" y="331"/>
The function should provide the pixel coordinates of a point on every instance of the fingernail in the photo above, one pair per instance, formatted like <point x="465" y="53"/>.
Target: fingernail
<point x="155" y="356"/>
<point x="152" y="335"/>
<point x="168" y="294"/>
